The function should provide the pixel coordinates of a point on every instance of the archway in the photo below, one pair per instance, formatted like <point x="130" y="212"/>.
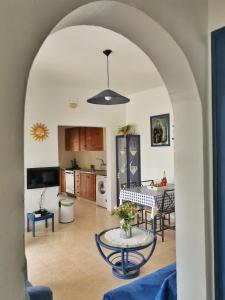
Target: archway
<point x="177" y="75"/>
<point x="187" y="110"/>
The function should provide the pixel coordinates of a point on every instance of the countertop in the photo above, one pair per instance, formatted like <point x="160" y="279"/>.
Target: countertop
<point x="96" y="172"/>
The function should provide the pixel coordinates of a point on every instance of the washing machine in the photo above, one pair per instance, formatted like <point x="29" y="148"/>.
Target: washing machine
<point x="101" y="190"/>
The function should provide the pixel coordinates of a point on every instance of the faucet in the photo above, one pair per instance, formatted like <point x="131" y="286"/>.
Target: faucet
<point x="103" y="164"/>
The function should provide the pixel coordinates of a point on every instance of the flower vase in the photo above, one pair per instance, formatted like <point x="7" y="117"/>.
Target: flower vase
<point x="125" y="229"/>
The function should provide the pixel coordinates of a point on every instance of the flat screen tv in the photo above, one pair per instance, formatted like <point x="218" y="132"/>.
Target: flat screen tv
<point x="42" y="177"/>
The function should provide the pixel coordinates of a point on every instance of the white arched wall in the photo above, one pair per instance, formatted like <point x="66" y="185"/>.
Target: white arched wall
<point x="179" y="80"/>
<point x="29" y="22"/>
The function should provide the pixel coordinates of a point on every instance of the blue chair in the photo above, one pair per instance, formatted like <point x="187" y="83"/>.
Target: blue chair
<point x="38" y="292"/>
<point x="160" y="285"/>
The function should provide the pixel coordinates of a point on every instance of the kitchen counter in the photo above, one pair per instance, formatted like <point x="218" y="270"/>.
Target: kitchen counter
<point x="96" y="172"/>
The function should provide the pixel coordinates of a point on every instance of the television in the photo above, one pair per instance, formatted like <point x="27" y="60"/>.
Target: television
<point x="42" y="177"/>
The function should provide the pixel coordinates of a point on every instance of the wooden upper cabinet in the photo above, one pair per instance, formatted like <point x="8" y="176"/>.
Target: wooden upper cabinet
<point x="84" y="138"/>
<point x="72" y="139"/>
<point x="94" y="139"/>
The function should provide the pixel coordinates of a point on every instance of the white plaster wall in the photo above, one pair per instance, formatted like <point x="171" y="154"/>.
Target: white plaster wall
<point x="28" y="23"/>
<point x="47" y="102"/>
<point x="216" y="14"/>
<point x="154" y="160"/>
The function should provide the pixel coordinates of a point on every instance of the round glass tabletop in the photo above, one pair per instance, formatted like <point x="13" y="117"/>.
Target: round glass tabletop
<point x="140" y="238"/>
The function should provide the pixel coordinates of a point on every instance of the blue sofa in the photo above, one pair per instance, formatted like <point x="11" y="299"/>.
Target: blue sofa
<point x="160" y="285"/>
<point x="38" y="292"/>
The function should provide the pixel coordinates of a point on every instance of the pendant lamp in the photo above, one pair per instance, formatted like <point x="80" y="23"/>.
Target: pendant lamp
<point x="108" y="97"/>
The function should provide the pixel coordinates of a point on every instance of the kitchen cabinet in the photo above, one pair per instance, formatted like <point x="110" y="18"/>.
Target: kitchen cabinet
<point x="72" y="139"/>
<point x="62" y="181"/>
<point x="88" y="186"/>
<point x="94" y="139"/>
<point x="84" y="139"/>
<point x="77" y="183"/>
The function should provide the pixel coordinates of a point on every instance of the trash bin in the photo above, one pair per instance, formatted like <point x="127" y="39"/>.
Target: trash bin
<point x="66" y="211"/>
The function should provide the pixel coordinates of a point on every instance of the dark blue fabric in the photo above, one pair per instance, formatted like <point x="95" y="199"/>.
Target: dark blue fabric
<point x="38" y="292"/>
<point x="160" y="285"/>
<point x="168" y="290"/>
<point x="218" y="105"/>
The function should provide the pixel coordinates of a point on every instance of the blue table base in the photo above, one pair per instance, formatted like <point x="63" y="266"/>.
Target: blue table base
<point x="125" y="262"/>
<point x="127" y="274"/>
<point x="31" y="217"/>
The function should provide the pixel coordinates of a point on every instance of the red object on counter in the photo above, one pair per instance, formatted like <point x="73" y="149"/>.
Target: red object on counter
<point x="163" y="180"/>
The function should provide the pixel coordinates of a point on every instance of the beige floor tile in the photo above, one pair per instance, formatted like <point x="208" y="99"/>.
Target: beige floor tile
<point x="68" y="261"/>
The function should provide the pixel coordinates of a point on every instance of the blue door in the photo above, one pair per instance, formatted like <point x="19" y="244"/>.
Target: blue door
<point x="218" y="103"/>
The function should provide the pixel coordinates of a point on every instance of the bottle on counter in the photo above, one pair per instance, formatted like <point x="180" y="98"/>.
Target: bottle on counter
<point x="164" y="179"/>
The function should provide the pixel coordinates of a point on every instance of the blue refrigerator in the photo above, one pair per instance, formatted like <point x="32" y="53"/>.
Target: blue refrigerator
<point x="128" y="161"/>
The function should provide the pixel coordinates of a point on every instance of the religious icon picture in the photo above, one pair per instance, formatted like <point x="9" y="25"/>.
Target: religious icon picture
<point x="160" y="130"/>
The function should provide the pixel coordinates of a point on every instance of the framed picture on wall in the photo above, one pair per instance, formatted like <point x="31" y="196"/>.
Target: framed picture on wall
<point x="160" y="130"/>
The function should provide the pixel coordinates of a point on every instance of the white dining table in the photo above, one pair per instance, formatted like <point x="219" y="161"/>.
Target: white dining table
<point x="148" y="197"/>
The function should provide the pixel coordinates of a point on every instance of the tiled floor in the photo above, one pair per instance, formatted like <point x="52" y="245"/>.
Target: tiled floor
<point x="68" y="262"/>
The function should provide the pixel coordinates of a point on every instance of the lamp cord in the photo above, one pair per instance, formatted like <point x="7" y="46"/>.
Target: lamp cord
<point x="108" y="72"/>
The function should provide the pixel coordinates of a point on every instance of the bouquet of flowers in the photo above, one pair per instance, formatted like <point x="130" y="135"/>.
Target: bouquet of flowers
<point x="127" y="213"/>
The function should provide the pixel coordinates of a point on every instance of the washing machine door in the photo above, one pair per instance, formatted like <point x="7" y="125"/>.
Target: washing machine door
<point x="101" y="187"/>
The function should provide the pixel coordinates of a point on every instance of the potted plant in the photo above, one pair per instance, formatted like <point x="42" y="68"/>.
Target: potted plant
<point x="127" y="129"/>
<point x="127" y="213"/>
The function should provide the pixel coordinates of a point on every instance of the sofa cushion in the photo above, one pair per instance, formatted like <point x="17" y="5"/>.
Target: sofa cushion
<point x="160" y="285"/>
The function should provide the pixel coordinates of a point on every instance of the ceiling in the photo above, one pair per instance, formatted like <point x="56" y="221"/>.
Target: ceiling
<point x="75" y="53"/>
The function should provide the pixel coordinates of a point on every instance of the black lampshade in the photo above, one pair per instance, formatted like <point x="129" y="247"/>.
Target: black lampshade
<point x="108" y="97"/>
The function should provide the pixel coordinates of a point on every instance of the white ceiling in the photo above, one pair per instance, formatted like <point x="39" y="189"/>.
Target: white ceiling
<point x="75" y="53"/>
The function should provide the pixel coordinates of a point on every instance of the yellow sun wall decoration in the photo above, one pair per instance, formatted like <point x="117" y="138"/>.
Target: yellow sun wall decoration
<point x="39" y="132"/>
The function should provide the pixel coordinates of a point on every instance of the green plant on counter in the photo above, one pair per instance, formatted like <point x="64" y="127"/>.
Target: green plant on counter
<point x="127" y="129"/>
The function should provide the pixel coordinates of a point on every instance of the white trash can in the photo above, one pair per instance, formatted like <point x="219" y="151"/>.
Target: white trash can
<point x="66" y="211"/>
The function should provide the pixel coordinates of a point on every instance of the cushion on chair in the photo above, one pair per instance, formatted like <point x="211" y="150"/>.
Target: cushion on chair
<point x="38" y="292"/>
<point x="160" y="285"/>
<point x="168" y="290"/>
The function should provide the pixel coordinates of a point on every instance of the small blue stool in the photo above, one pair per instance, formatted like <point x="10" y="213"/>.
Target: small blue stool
<point x="31" y="217"/>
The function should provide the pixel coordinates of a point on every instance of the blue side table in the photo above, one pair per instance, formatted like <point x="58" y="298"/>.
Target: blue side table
<point x="124" y="255"/>
<point x="31" y="217"/>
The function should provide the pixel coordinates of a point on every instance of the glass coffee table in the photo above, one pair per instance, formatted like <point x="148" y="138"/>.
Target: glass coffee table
<point x="124" y="255"/>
